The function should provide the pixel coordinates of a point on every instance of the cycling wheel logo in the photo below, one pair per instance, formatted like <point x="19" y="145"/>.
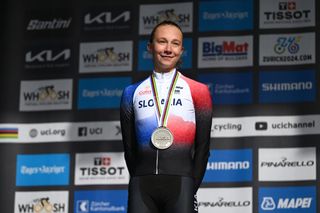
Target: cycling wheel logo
<point x="107" y="54"/>
<point x="42" y="205"/>
<point x="290" y="44"/>
<point x="47" y="92"/>
<point x="168" y="15"/>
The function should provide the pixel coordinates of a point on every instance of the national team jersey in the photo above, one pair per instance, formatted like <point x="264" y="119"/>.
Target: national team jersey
<point x="189" y="120"/>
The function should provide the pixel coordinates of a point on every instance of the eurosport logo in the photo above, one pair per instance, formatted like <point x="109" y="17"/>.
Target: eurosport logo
<point x="287" y="14"/>
<point x="47" y="57"/>
<point x="101" y="92"/>
<point x="105" y="57"/>
<point x="100" y="201"/>
<point x="227" y="51"/>
<point x="225" y="200"/>
<point x="287" y="164"/>
<point x="145" y="62"/>
<point x="229" y="166"/>
<point x="286" y="87"/>
<point x="48" y="23"/>
<point x="151" y="15"/>
<point x="229" y="88"/>
<point x="42" y="95"/>
<point x="287" y="49"/>
<point x="287" y="199"/>
<point x="220" y="15"/>
<point x="107" y="20"/>
<point x="42" y="169"/>
<point x="101" y="168"/>
<point x="41" y="201"/>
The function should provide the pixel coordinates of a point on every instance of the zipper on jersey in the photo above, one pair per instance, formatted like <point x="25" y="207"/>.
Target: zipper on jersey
<point x="157" y="162"/>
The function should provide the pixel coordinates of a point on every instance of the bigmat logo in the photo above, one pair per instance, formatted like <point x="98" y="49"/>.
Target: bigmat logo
<point x="105" y="56"/>
<point x="225" y="200"/>
<point x="219" y="15"/>
<point x="151" y="15"/>
<point x="287" y="49"/>
<point x="225" y="51"/>
<point x="226" y="88"/>
<point x="101" y="168"/>
<point x="42" y="169"/>
<point x="229" y="166"/>
<point x="287" y="13"/>
<point x="145" y="62"/>
<point x="41" y="202"/>
<point x="45" y="95"/>
<point x="47" y="57"/>
<point x="100" y="201"/>
<point x="106" y="20"/>
<point x="285" y="87"/>
<point x="287" y="164"/>
<point x="101" y="92"/>
<point x="48" y="23"/>
<point x="287" y="199"/>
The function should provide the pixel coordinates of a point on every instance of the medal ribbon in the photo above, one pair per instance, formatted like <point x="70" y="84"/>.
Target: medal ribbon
<point x="163" y="115"/>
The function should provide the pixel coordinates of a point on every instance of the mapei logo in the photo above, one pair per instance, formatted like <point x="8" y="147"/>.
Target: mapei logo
<point x="289" y="44"/>
<point x="269" y="204"/>
<point x="300" y="199"/>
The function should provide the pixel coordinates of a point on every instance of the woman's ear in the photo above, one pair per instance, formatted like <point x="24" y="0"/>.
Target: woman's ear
<point x="150" y="47"/>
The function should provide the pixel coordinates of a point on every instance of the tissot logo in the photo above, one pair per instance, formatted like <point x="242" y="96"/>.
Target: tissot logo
<point x="261" y="125"/>
<point x="286" y="14"/>
<point x="101" y="168"/>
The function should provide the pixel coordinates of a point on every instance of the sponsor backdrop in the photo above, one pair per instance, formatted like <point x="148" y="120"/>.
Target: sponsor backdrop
<point x="65" y="64"/>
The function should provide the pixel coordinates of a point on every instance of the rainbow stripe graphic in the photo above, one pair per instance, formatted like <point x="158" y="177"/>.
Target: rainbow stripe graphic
<point x="8" y="133"/>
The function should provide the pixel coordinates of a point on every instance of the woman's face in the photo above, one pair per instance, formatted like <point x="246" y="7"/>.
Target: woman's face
<point x="166" y="48"/>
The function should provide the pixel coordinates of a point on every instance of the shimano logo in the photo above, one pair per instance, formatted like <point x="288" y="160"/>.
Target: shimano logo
<point x="294" y="86"/>
<point x="55" y="24"/>
<point x="233" y="165"/>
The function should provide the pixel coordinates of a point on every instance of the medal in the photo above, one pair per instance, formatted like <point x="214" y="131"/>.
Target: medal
<point x="162" y="138"/>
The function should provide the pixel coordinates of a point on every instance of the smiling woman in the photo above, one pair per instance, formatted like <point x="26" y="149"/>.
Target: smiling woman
<point x="166" y="125"/>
